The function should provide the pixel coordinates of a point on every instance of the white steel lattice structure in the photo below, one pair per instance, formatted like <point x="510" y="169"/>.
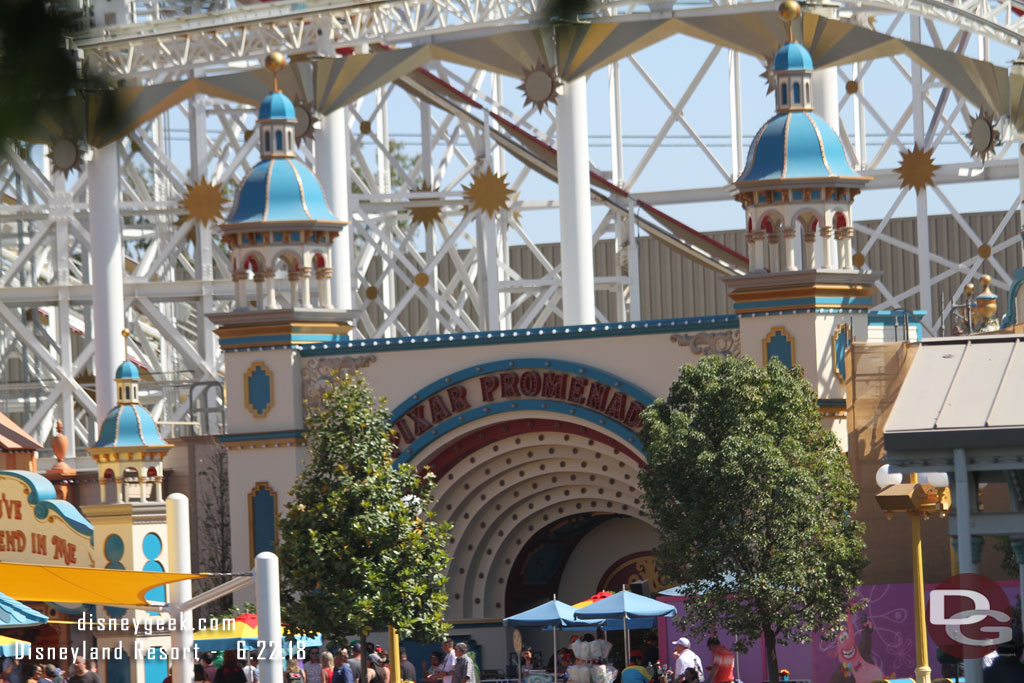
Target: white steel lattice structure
<point x="414" y="102"/>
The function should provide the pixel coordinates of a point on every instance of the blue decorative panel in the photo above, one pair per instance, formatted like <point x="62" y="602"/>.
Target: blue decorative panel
<point x="119" y="669"/>
<point x="259" y="393"/>
<point x="840" y="347"/>
<point x="262" y="519"/>
<point x="778" y="344"/>
<point x="113" y="551"/>
<point x="151" y="547"/>
<point x="156" y="669"/>
<point x="815" y="194"/>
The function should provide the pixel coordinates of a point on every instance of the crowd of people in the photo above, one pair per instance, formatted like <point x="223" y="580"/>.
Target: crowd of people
<point x="586" y="660"/>
<point x="21" y="671"/>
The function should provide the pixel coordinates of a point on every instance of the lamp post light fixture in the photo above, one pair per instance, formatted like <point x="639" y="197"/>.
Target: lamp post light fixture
<point x="918" y="499"/>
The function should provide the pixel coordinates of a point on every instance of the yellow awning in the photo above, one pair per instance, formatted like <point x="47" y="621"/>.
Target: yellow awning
<point x="82" y="585"/>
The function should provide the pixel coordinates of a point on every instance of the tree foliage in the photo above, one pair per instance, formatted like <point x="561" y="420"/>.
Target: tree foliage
<point x="753" y="500"/>
<point x="359" y="548"/>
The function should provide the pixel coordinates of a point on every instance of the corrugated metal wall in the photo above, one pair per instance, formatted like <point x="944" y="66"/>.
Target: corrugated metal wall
<point x="675" y="287"/>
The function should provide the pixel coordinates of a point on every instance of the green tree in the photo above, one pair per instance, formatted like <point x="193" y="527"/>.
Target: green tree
<point x="359" y="548"/>
<point x="754" y="501"/>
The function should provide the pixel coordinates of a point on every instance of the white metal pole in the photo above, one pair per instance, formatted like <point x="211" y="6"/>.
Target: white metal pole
<point x="924" y="246"/>
<point x="574" y="205"/>
<point x="736" y="113"/>
<point x="962" y="505"/>
<point x="107" y="263"/>
<point x="268" y="615"/>
<point x="332" y="166"/>
<point x="179" y="559"/>
<point x="825" y="82"/>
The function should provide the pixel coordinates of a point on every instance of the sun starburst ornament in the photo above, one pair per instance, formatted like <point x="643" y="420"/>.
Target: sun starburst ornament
<point x="204" y="201"/>
<point x="426" y="212"/>
<point x="488" y="192"/>
<point x="769" y="74"/>
<point x="983" y="135"/>
<point x="66" y="155"/>
<point x="305" y="120"/>
<point x="540" y="85"/>
<point x="917" y="168"/>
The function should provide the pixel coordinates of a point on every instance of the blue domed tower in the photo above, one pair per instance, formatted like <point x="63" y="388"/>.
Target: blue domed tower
<point x="280" y="229"/>
<point x="129" y="451"/>
<point x="804" y="299"/>
<point x="280" y="226"/>
<point x="797" y="187"/>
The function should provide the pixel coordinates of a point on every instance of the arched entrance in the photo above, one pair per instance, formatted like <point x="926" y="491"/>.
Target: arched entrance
<point x="501" y="483"/>
<point x="519" y="446"/>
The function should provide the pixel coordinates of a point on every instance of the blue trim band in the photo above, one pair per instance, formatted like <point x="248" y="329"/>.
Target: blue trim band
<point x="266" y="436"/>
<point x="535" y="334"/>
<point x="554" y="406"/>
<point x="816" y="311"/>
<point x="270" y="338"/>
<point x="521" y="364"/>
<point x="806" y="301"/>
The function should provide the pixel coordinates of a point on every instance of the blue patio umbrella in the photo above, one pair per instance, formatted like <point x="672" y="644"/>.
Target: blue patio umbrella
<point x="626" y="605"/>
<point x="14" y="614"/>
<point x="552" y="613"/>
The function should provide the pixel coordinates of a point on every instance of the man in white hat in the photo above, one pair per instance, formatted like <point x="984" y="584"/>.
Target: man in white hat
<point x="686" y="659"/>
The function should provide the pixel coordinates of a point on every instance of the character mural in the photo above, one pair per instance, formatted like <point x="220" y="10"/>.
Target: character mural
<point x="853" y="651"/>
<point x="876" y="642"/>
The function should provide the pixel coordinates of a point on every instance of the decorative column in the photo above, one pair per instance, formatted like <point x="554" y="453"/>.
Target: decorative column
<point x="844" y="236"/>
<point x="755" y="239"/>
<point x="293" y="283"/>
<point x="240" y="277"/>
<point x="307" y="297"/>
<point x="332" y="168"/>
<point x="323" y="277"/>
<point x="826" y="247"/>
<point x="789" y="246"/>
<point x="574" y="205"/>
<point x="258" y="278"/>
<point x="271" y="278"/>
<point x="811" y="240"/>
<point x="773" y="251"/>
<point x="106" y="258"/>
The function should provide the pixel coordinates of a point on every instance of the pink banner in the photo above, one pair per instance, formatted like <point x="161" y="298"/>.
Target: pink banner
<point x="877" y="642"/>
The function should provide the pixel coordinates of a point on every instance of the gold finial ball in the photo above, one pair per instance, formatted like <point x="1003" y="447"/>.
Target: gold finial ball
<point x="789" y="10"/>
<point x="969" y="288"/>
<point x="276" y="61"/>
<point x="985" y="280"/>
<point x="125" y="333"/>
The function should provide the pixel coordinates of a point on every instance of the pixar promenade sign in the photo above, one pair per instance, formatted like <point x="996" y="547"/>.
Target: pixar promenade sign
<point x="572" y="389"/>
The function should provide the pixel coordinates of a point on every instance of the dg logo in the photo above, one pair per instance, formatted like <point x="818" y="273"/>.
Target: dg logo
<point x="969" y="616"/>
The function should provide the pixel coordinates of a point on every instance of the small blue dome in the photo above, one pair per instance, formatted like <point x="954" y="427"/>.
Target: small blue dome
<point x="129" y="425"/>
<point x="796" y="145"/>
<point x="790" y="57"/>
<point x="280" y="190"/>
<point x="276" y="105"/>
<point x="127" y="370"/>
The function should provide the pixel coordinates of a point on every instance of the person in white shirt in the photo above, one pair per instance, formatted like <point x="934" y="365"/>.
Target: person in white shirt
<point x="448" y="646"/>
<point x="252" y="669"/>
<point x="686" y="659"/>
